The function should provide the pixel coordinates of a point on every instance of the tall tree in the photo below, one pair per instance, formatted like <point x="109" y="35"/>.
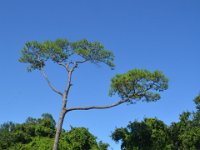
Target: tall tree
<point x="133" y="85"/>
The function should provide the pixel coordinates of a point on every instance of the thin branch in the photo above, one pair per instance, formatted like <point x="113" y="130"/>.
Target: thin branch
<point x="65" y="66"/>
<point x="61" y="64"/>
<point x="49" y="83"/>
<point x="79" y="62"/>
<point x="97" y="107"/>
<point x="68" y="86"/>
<point x="74" y="66"/>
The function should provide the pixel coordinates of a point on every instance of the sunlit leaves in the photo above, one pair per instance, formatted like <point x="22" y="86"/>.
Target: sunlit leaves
<point x="38" y="134"/>
<point x="36" y="54"/>
<point x="80" y="139"/>
<point x="93" y="52"/>
<point x="139" y="84"/>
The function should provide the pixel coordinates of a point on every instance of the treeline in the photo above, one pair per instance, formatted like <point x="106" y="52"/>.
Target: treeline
<point x="154" y="134"/>
<point x="38" y="134"/>
<point x="149" y="134"/>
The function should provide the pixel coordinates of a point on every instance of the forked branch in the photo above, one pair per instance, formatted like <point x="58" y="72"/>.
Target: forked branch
<point x="66" y="66"/>
<point x="49" y="83"/>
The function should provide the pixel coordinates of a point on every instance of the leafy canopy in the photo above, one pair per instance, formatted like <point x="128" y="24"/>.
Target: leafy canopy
<point x="153" y="134"/>
<point x="149" y="134"/>
<point x="139" y="84"/>
<point x="38" y="134"/>
<point x="61" y="51"/>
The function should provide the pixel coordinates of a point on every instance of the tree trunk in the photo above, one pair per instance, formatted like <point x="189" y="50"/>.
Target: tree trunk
<point x="59" y="129"/>
<point x="63" y="110"/>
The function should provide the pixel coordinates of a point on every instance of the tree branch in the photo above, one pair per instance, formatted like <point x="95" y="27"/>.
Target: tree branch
<point x="66" y="92"/>
<point x="66" y="66"/>
<point x="49" y="83"/>
<point x="75" y="65"/>
<point x="79" y="62"/>
<point x="97" y="107"/>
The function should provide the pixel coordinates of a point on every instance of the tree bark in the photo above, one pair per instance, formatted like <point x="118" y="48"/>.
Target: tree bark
<point x="63" y="109"/>
<point x="59" y="128"/>
<point x="98" y="107"/>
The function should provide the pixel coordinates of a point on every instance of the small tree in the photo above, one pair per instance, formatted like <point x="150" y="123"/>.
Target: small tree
<point x="149" y="134"/>
<point x="133" y="85"/>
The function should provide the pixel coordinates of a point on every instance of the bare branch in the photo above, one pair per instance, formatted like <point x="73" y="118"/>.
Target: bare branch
<point x="98" y="107"/>
<point x="49" y="83"/>
<point x="79" y="62"/>
<point x="62" y="64"/>
<point x="74" y="66"/>
<point x="66" y="66"/>
<point x="68" y="86"/>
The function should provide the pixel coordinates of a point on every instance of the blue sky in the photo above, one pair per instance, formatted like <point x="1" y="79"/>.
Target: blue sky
<point x="143" y="34"/>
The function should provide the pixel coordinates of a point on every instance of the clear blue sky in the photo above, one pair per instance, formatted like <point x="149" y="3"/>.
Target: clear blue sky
<point x="146" y="34"/>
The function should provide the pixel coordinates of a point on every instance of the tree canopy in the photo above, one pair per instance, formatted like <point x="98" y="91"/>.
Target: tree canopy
<point x="139" y="84"/>
<point x="38" y="134"/>
<point x="61" y="52"/>
<point x="154" y="134"/>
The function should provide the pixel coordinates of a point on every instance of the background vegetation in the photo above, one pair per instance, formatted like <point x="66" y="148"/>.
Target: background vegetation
<point x="154" y="134"/>
<point x="148" y="134"/>
<point x="38" y="134"/>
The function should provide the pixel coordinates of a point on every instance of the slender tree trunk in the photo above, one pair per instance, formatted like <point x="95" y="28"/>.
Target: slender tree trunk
<point x="63" y="111"/>
<point x="59" y="129"/>
<point x="60" y="122"/>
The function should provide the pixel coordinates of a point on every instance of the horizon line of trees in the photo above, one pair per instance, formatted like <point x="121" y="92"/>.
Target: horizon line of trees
<point x="38" y="134"/>
<point x="154" y="134"/>
<point x="148" y="134"/>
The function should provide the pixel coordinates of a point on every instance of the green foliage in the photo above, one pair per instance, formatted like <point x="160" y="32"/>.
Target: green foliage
<point x="190" y="139"/>
<point x="37" y="143"/>
<point x="78" y="139"/>
<point x="153" y="134"/>
<point x="103" y="146"/>
<point x="185" y="133"/>
<point x="159" y="134"/>
<point x="94" y="52"/>
<point x="149" y="134"/>
<point x="6" y="136"/>
<point x="38" y="134"/>
<point x="139" y="84"/>
<point x="62" y="51"/>
<point x="197" y="101"/>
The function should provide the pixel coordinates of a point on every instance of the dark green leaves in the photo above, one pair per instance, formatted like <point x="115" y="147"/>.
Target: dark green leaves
<point x="38" y="134"/>
<point x="153" y="134"/>
<point x="80" y="139"/>
<point x="197" y="101"/>
<point x="139" y="84"/>
<point x="61" y="51"/>
<point x="150" y="134"/>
